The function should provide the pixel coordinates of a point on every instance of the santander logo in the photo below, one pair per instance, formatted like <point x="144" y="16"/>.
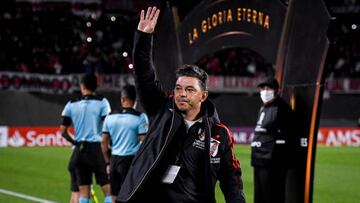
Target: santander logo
<point x="16" y="140"/>
<point x="35" y="137"/>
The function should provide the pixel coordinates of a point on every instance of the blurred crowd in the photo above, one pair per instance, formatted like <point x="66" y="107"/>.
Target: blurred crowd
<point x="63" y="38"/>
<point x="343" y="58"/>
<point x="236" y="62"/>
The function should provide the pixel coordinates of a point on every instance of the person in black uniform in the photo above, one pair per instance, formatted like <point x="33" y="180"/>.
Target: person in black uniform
<point x="186" y="149"/>
<point x="269" y="148"/>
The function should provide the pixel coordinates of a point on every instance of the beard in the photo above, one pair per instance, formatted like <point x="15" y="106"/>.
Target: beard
<point x="183" y="106"/>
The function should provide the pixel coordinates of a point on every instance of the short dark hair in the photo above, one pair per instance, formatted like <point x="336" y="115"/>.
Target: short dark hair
<point x="193" y="71"/>
<point x="89" y="81"/>
<point x="129" y="92"/>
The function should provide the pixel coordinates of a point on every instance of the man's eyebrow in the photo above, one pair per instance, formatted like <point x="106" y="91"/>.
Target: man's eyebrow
<point x="187" y="86"/>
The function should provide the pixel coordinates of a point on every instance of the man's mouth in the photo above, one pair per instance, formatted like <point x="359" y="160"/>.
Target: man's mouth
<point x="183" y="102"/>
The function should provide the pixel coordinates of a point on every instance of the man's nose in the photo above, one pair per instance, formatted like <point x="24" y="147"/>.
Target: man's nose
<point x="182" y="93"/>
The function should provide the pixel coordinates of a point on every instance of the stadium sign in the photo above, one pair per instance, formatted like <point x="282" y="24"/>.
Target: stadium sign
<point x="51" y="137"/>
<point x="31" y="137"/>
<point x="231" y="15"/>
<point x="336" y="137"/>
<point x="339" y="137"/>
<point x="215" y="25"/>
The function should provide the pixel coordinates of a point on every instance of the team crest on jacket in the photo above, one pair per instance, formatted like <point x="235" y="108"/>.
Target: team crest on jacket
<point x="214" y="146"/>
<point x="200" y="140"/>
<point x="201" y="134"/>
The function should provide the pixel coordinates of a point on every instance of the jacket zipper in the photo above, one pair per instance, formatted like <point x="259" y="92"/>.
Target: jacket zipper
<point x="162" y="149"/>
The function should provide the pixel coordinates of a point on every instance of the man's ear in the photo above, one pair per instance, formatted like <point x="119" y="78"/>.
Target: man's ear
<point x="204" y="96"/>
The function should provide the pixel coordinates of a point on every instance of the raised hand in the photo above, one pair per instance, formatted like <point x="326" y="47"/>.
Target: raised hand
<point x="148" y="22"/>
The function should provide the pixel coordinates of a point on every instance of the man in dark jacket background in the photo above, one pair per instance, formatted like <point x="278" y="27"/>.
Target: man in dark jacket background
<point x="270" y="146"/>
<point x="186" y="149"/>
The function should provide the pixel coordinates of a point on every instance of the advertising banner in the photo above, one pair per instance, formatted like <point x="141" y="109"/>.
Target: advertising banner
<point x="31" y="137"/>
<point x="349" y="137"/>
<point x="50" y="136"/>
<point x="339" y="137"/>
<point x="3" y="136"/>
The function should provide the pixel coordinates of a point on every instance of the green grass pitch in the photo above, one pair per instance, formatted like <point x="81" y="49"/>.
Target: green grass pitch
<point x="42" y="172"/>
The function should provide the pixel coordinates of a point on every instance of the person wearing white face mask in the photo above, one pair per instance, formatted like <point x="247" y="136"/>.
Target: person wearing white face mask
<point x="269" y="148"/>
<point x="267" y="94"/>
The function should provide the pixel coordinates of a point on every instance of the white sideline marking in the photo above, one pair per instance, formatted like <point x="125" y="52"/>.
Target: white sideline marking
<point x="28" y="197"/>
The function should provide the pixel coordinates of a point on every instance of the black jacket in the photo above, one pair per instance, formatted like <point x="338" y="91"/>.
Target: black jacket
<point x="142" y="181"/>
<point x="273" y="135"/>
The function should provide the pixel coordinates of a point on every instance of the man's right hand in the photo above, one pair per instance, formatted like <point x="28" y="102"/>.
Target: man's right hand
<point x="148" y="22"/>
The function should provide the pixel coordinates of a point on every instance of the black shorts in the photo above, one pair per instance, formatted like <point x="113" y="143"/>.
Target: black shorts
<point x="90" y="160"/>
<point x="74" y="186"/>
<point x="119" y="166"/>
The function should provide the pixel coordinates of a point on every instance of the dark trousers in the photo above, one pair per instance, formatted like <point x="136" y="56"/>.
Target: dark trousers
<point x="269" y="184"/>
<point x="119" y="166"/>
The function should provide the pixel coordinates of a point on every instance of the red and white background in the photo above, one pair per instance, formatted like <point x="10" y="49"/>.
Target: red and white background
<point x="20" y="136"/>
<point x="31" y="137"/>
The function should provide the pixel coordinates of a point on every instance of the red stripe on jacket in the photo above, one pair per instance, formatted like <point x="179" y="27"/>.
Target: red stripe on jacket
<point x="235" y="162"/>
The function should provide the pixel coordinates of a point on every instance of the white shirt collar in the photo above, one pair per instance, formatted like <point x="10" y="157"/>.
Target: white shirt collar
<point x="188" y="123"/>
